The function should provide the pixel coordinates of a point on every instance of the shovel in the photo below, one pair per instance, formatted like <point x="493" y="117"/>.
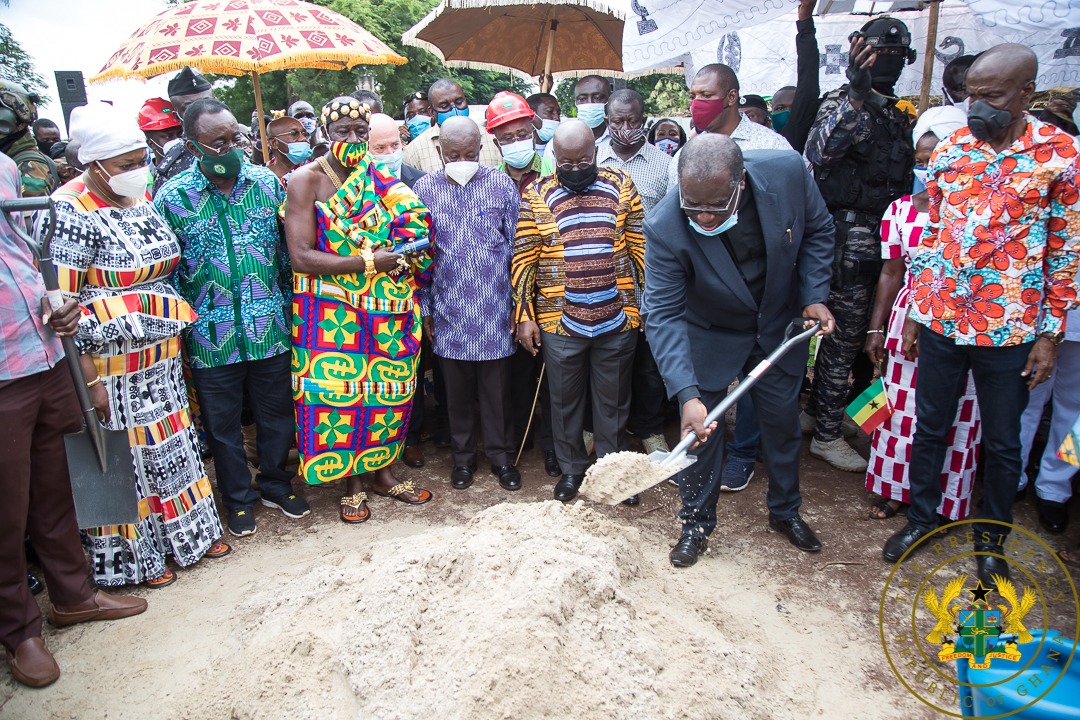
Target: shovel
<point x="617" y="476"/>
<point x="99" y="460"/>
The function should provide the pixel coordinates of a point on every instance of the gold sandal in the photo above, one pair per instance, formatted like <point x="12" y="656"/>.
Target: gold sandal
<point x="408" y="487"/>
<point x="358" y="504"/>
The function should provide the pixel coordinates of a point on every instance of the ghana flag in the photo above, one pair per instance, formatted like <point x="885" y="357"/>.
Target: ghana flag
<point x="1070" y="446"/>
<point x="871" y="408"/>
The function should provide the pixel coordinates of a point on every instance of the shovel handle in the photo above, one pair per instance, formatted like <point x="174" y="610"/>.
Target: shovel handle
<point x="795" y="333"/>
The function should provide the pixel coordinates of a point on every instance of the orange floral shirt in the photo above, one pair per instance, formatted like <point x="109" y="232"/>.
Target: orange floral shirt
<point x="1002" y="246"/>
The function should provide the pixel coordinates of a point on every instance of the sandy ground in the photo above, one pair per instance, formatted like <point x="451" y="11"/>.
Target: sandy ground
<point x="489" y="604"/>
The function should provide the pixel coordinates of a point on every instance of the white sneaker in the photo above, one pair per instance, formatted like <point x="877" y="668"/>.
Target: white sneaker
<point x="807" y="423"/>
<point x="839" y="454"/>
<point x="589" y="444"/>
<point x="652" y="443"/>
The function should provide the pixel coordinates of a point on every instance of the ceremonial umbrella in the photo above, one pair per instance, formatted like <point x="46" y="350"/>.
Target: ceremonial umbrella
<point x="235" y="37"/>
<point x="536" y="38"/>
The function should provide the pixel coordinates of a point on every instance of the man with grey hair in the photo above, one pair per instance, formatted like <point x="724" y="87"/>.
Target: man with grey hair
<point x="745" y="245"/>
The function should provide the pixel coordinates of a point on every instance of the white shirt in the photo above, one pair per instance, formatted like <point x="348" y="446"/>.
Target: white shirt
<point x="748" y="135"/>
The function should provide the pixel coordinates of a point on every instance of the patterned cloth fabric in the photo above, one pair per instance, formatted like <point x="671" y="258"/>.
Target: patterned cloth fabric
<point x="473" y="232"/>
<point x="423" y="154"/>
<point x="176" y="161"/>
<point x="38" y="172"/>
<point x="648" y="168"/>
<point x="890" y="449"/>
<point x="356" y="340"/>
<point x="579" y="258"/>
<point x="1002" y="244"/>
<point x="234" y="268"/>
<point x="748" y="135"/>
<point x="27" y="347"/>
<point x="116" y="262"/>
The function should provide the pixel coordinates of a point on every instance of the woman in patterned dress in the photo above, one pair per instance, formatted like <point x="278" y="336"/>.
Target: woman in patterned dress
<point x="356" y="320"/>
<point x="890" y="452"/>
<point x="115" y="254"/>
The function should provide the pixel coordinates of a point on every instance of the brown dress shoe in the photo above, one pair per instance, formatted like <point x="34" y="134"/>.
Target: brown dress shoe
<point x="100" y="606"/>
<point x="413" y="456"/>
<point x="32" y="664"/>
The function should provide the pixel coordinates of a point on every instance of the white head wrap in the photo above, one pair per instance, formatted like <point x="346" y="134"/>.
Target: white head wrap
<point x="942" y="121"/>
<point x="104" y="132"/>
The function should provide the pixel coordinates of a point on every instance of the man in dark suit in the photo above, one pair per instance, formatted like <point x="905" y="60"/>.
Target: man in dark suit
<point x="730" y="259"/>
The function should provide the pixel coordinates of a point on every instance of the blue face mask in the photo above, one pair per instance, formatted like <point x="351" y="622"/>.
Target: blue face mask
<point x="546" y="131"/>
<point x="310" y="125"/>
<point x="518" y="154"/>
<point x="454" y="112"/>
<point x="592" y="114"/>
<point x="668" y="145"/>
<point x="298" y="152"/>
<point x="779" y="119"/>
<point x="721" y="228"/>
<point x="392" y="161"/>
<point x="417" y="124"/>
<point x="921" y="176"/>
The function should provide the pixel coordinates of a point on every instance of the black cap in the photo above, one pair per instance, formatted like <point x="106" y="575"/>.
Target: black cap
<point x="886" y="32"/>
<point x="755" y="101"/>
<point x="188" y="82"/>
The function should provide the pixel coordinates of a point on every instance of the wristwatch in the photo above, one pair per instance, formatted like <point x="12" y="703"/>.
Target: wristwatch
<point x="1055" y="337"/>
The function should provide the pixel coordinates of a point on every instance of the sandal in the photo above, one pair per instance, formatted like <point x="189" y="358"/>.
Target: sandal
<point x="163" y="580"/>
<point x="408" y="487"/>
<point x="354" y="509"/>
<point x="885" y="510"/>
<point x="218" y="550"/>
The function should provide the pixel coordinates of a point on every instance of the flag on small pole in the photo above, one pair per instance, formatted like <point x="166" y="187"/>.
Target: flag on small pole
<point x="1070" y="446"/>
<point x="871" y="408"/>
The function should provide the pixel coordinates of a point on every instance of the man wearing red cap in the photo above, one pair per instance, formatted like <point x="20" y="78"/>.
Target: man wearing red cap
<point x="161" y="125"/>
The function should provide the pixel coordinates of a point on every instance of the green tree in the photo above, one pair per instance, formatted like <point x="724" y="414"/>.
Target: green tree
<point x="17" y="66"/>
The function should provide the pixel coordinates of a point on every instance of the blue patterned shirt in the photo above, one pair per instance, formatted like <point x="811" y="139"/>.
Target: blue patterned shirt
<point x="234" y="268"/>
<point x="473" y="237"/>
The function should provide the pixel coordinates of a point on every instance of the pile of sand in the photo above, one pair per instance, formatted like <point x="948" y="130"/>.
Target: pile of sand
<point x="617" y="476"/>
<point x="528" y="611"/>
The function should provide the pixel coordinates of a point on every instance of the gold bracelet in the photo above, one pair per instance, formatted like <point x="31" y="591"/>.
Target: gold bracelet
<point x="96" y="381"/>
<point x="369" y="262"/>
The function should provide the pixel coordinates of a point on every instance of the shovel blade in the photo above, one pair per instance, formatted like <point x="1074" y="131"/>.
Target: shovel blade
<point x="102" y="498"/>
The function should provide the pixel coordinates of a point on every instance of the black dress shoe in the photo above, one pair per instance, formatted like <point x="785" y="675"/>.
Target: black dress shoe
<point x="987" y="566"/>
<point x="632" y="500"/>
<point x="900" y="541"/>
<point x="36" y="586"/>
<point x="461" y="477"/>
<point x="551" y="464"/>
<point x="797" y="531"/>
<point x="508" y="475"/>
<point x="567" y="487"/>
<point x="1053" y="516"/>
<point x="686" y="551"/>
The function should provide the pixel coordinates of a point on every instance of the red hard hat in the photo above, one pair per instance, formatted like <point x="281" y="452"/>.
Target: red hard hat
<point x="157" y="114"/>
<point x="507" y="106"/>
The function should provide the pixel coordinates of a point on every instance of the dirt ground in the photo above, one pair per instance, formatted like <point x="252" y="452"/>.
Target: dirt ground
<point x="263" y="633"/>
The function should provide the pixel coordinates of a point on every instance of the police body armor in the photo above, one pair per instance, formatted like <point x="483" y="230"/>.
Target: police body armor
<point x="859" y="187"/>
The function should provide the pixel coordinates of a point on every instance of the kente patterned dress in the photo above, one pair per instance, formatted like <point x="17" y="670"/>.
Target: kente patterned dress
<point x="117" y="262"/>
<point x="356" y="340"/>
<point x="890" y="449"/>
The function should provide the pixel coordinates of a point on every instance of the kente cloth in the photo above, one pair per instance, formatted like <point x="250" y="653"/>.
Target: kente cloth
<point x="356" y="340"/>
<point x="117" y="263"/>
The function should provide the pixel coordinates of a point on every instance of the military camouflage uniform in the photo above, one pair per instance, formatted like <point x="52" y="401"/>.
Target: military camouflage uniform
<point x="39" y="176"/>
<point x="176" y="161"/>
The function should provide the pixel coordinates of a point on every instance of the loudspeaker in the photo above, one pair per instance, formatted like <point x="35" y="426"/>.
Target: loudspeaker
<point x="72" y="91"/>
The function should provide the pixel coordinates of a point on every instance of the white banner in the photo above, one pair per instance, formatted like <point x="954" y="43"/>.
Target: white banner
<point x="763" y="56"/>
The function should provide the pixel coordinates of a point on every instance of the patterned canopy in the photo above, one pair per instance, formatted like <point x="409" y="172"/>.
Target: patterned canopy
<point x="246" y="36"/>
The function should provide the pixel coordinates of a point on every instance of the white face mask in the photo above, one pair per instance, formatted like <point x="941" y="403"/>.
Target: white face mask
<point x="461" y="171"/>
<point x="130" y="184"/>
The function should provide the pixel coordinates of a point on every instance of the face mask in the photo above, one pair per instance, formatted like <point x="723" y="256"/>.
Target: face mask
<point x="309" y="125"/>
<point x="721" y="228"/>
<point x="45" y="147"/>
<point x="348" y="154"/>
<point x="392" y="161"/>
<point x="454" y="112"/>
<point x="417" y="124"/>
<point x="222" y="166"/>
<point x="668" y="145"/>
<point x="546" y="131"/>
<point x="170" y="145"/>
<point x="628" y="137"/>
<point x="592" y="114"/>
<point x="518" y="154"/>
<point x="461" y="171"/>
<point x="577" y="180"/>
<point x="779" y="119"/>
<point x="886" y="71"/>
<point x="987" y="122"/>
<point x="703" y="112"/>
<point x="922" y="175"/>
<point x="131" y="184"/>
<point x="298" y="152"/>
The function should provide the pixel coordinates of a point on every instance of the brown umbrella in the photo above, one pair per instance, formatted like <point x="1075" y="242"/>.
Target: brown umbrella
<point x="533" y="38"/>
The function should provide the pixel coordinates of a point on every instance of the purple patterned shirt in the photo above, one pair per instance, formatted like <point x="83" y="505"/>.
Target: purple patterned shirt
<point x="27" y="347"/>
<point x="473" y="239"/>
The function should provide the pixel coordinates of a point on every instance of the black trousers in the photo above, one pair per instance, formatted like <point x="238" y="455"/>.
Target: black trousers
<point x="486" y="384"/>
<point x="647" y="394"/>
<point x="523" y="374"/>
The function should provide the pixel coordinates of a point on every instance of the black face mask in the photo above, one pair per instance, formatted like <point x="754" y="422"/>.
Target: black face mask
<point x="577" y="180"/>
<point x="45" y="147"/>
<point x="886" y="71"/>
<point x="987" y="122"/>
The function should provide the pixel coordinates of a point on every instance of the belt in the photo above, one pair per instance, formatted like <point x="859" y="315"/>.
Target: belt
<point x="857" y="217"/>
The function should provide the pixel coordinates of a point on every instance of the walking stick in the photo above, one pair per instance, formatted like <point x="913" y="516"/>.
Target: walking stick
<point x="532" y="414"/>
